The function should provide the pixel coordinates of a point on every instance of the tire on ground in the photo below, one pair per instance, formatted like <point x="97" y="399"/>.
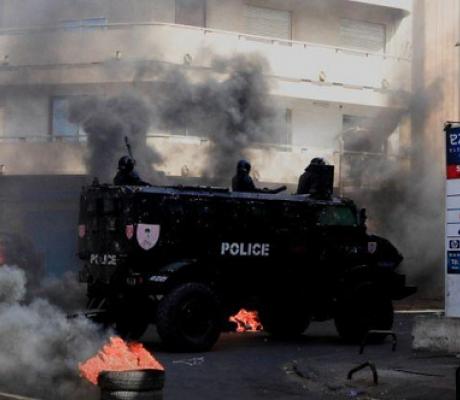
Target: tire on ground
<point x="365" y="310"/>
<point x="126" y="395"/>
<point x="189" y="318"/>
<point x="140" y="380"/>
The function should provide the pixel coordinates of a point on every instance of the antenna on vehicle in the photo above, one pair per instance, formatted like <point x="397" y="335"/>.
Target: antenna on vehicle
<point x="128" y="146"/>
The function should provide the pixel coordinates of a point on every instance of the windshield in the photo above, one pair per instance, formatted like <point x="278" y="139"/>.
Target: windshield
<point x="338" y="216"/>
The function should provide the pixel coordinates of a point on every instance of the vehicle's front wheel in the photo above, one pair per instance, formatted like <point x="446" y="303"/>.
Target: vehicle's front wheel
<point x="361" y="312"/>
<point x="189" y="318"/>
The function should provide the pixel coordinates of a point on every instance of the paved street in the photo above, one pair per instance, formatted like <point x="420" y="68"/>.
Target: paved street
<point x="254" y="366"/>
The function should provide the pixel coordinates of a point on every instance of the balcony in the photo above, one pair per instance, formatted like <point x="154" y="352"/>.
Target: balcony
<point x="402" y="5"/>
<point x="113" y="53"/>
<point x="64" y="155"/>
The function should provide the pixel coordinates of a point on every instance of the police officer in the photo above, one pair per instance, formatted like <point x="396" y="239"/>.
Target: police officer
<point x="242" y="181"/>
<point x="126" y="174"/>
<point x="309" y="181"/>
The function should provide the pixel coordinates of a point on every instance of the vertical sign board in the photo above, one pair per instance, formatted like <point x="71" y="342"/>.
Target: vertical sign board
<point x="452" y="283"/>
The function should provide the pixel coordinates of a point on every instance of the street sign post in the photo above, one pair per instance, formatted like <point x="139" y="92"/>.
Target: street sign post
<point x="452" y="244"/>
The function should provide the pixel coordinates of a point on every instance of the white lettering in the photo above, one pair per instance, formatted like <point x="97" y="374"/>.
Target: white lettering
<point x="234" y="249"/>
<point x="103" y="259"/>
<point x="224" y="248"/>
<point x="265" y="249"/>
<point x="245" y="249"/>
<point x="158" y="278"/>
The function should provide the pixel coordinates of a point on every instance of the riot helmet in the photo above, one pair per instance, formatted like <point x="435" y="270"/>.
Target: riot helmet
<point x="243" y="166"/>
<point x="317" y="161"/>
<point x="125" y="164"/>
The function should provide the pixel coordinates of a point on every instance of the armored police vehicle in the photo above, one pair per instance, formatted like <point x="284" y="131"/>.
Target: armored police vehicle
<point x="187" y="258"/>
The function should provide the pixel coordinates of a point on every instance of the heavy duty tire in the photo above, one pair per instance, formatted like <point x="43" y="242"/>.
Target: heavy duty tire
<point x="130" y="327"/>
<point x="189" y="318"/>
<point x="141" y="380"/>
<point x="284" y="319"/>
<point x="361" y="312"/>
<point x="131" y="319"/>
<point x="125" y="395"/>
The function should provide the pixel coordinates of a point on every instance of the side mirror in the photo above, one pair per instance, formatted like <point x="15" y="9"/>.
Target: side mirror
<point x="362" y="217"/>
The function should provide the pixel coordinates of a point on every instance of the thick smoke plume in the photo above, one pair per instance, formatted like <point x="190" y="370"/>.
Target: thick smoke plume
<point x="107" y="122"/>
<point x="404" y="201"/>
<point x="231" y="107"/>
<point x="40" y="348"/>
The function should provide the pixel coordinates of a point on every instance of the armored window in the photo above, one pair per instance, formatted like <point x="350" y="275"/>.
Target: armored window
<point x="337" y="216"/>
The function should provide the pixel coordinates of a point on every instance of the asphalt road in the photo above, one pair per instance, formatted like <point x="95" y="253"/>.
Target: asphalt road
<point x="255" y="366"/>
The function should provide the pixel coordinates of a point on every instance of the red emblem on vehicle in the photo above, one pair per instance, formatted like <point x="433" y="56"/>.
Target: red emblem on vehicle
<point x="129" y="231"/>
<point x="81" y="231"/>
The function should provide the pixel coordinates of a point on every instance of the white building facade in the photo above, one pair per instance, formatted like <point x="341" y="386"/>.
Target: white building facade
<point x="336" y="68"/>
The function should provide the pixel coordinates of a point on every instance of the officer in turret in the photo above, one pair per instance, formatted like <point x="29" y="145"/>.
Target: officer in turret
<point x="310" y="180"/>
<point x="242" y="181"/>
<point x="126" y="174"/>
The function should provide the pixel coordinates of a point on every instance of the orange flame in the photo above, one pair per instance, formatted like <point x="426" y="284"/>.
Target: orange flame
<point x="247" y="321"/>
<point x="118" y="355"/>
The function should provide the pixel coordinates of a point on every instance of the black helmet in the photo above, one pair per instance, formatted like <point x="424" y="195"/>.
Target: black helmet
<point x="243" y="166"/>
<point x="126" y="164"/>
<point x="317" y="161"/>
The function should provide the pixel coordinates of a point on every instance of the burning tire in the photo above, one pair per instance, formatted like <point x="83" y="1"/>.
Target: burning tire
<point x="142" y="380"/>
<point x="189" y="318"/>
<point x="363" y="311"/>
<point x="124" y="395"/>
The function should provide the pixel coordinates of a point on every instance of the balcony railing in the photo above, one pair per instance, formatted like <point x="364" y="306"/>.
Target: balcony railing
<point x="179" y="44"/>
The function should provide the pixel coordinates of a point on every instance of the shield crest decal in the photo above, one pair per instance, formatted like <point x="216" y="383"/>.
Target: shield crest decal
<point x="147" y="235"/>
<point x="372" y="247"/>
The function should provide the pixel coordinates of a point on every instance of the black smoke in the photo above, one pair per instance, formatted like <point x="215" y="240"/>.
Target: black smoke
<point x="231" y="107"/>
<point x="107" y="122"/>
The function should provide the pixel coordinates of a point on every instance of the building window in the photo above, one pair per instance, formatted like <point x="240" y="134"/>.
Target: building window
<point x="361" y="35"/>
<point x="354" y="122"/>
<point x="284" y="129"/>
<point x="87" y="24"/>
<point x="60" y="124"/>
<point x="267" y="22"/>
<point x="359" y="135"/>
<point x="191" y="12"/>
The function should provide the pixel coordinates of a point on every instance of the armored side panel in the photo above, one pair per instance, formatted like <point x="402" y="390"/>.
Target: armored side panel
<point x="150" y="247"/>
